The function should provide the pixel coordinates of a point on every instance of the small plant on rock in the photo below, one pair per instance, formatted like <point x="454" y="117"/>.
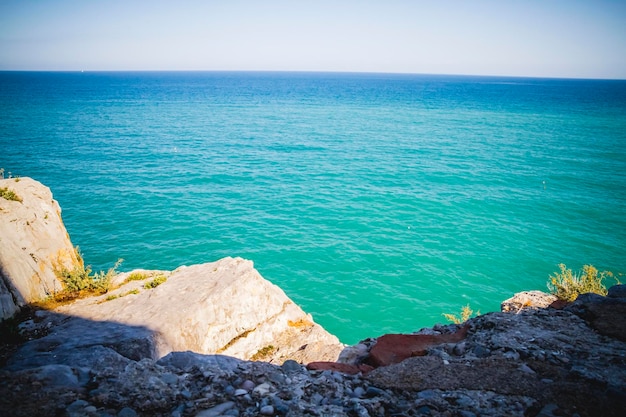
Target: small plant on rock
<point x="116" y="296"/>
<point x="79" y="281"/>
<point x="567" y="285"/>
<point x="136" y="276"/>
<point x="155" y="282"/>
<point x="9" y="195"/>
<point x="464" y="315"/>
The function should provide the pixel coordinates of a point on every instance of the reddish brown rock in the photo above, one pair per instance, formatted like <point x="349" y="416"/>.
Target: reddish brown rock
<point x="339" y="367"/>
<point x="394" y="348"/>
<point x="559" y="304"/>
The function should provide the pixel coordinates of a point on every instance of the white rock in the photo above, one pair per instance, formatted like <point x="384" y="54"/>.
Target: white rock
<point x="223" y="307"/>
<point x="527" y="299"/>
<point x="33" y="239"/>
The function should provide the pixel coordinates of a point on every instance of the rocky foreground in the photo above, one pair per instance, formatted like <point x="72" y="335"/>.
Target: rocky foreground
<point x="218" y="340"/>
<point x="531" y="362"/>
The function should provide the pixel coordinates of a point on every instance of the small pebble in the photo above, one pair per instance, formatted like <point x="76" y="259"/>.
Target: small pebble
<point x="481" y="351"/>
<point x="426" y="394"/>
<point x="280" y="405"/>
<point x="267" y="410"/>
<point x="374" y="392"/>
<point x="127" y="412"/>
<point x="317" y="398"/>
<point x="169" y="379"/>
<point x="424" y="410"/>
<point x="512" y="355"/>
<point x="291" y="366"/>
<point x="262" y="389"/>
<point x="217" y="410"/>
<point x="248" y="385"/>
<point x="459" y="349"/>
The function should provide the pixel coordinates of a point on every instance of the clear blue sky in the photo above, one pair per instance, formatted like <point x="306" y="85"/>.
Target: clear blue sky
<point x="545" y="38"/>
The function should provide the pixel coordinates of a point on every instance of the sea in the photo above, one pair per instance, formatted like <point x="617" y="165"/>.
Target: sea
<point x="377" y="202"/>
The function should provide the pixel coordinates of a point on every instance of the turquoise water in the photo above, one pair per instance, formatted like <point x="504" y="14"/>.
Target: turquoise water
<point x="377" y="202"/>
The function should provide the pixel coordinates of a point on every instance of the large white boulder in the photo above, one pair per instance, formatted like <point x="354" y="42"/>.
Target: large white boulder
<point x="224" y="307"/>
<point x="33" y="240"/>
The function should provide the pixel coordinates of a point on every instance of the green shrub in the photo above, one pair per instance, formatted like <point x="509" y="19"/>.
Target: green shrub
<point x="136" y="276"/>
<point x="567" y="285"/>
<point x="155" y="282"/>
<point x="9" y="195"/>
<point x="464" y="315"/>
<point x="79" y="281"/>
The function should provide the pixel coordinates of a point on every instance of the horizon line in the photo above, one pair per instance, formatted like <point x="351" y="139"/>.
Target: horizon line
<point x="308" y="72"/>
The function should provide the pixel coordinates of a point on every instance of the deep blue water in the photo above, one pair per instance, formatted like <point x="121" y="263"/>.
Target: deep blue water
<point x="376" y="201"/>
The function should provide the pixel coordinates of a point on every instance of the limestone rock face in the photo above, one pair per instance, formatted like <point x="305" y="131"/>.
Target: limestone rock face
<point x="224" y="307"/>
<point x="32" y="239"/>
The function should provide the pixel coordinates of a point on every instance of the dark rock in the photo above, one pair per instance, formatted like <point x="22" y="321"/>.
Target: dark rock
<point x="188" y="360"/>
<point x="424" y="410"/>
<point x="216" y="410"/>
<point x="267" y="410"/>
<point x="604" y="314"/>
<point x="506" y="364"/>
<point x="548" y="411"/>
<point x="58" y="375"/>
<point x="77" y="405"/>
<point x="374" y="392"/>
<point x="77" y="342"/>
<point x="127" y="412"/>
<point x="617" y="291"/>
<point x="338" y="367"/>
<point x="481" y="351"/>
<point x="290" y="366"/>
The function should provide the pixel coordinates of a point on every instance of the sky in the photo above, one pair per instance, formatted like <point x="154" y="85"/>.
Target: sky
<point x="535" y="38"/>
